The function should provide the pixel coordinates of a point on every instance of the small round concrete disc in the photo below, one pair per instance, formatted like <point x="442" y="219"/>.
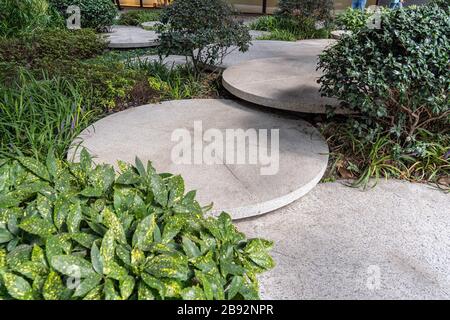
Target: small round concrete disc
<point x="128" y="37"/>
<point x="243" y="190"/>
<point x="287" y="83"/>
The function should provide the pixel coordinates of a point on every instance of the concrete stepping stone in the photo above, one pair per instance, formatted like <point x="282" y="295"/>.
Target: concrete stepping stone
<point x="169" y="61"/>
<point x="243" y="190"/>
<point x="128" y="37"/>
<point x="260" y="49"/>
<point x="337" y="34"/>
<point x="288" y="83"/>
<point x="150" y="24"/>
<point x="255" y="34"/>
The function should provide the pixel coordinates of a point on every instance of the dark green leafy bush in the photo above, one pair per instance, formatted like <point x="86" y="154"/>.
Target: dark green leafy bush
<point x="352" y="19"/>
<point x="397" y="77"/>
<point x="313" y="9"/>
<point x="18" y="17"/>
<point x="95" y="14"/>
<point x="201" y="29"/>
<point x="78" y="231"/>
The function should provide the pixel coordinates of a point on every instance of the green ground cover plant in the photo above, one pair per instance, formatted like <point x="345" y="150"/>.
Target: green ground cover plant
<point x="351" y="19"/>
<point x="397" y="79"/>
<point x="81" y="231"/>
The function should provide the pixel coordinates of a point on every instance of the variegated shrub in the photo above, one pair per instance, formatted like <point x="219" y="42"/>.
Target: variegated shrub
<point x="81" y="231"/>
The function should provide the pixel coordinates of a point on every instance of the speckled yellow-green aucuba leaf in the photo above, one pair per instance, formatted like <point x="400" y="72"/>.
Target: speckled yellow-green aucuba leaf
<point x="74" y="217"/>
<point x="87" y="284"/>
<point x="44" y="206"/>
<point x="30" y="269"/>
<point x="193" y="293"/>
<point x="17" y="287"/>
<point x="154" y="283"/>
<point x="110" y="291"/>
<point x="38" y="255"/>
<point x="169" y="266"/>
<point x="143" y="236"/>
<point x="53" y="287"/>
<point x="107" y="250"/>
<point x="144" y="292"/>
<point x="73" y="266"/>
<point x="2" y="258"/>
<point x="113" y="223"/>
<point x="35" y="167"/>
<point x="127" y="287"/>
<point x="159" y="190"/>
<point x="95" y="294"/>
<point x="38" y="226"/>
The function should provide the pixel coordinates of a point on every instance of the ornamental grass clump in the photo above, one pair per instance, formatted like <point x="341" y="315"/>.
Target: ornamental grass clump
<point x="81" y="231"/>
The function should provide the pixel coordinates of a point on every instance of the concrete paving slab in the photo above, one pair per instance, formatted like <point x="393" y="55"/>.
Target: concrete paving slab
<point x="128" y="37"/>
<point x="244" y="189"/>
<point x="261" y="49"/>
<point x="287" y="83"/>
<point x="337" y="242"/>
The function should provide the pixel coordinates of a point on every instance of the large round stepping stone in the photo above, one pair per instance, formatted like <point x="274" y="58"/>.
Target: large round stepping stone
<point x="128" y="37"/>
<point x="169" y="61"/>
<point x="260" y="49"/>
<point x="243" y="190"/>
<point x="288" y="83"/>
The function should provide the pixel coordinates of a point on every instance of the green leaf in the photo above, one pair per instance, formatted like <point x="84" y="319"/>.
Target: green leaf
<point x="85" y="239"/>
<point x="5" y="235"/>
<point x="137" y="257"/>
<point x="257" y="251"/>
<point x="176" y="190"/>
<point x="172" y="227"/>
<point x="35" y="167"/>
<point x="87" y="284"/>
<point x="110" y="291"/>
<point x="143" y="236"/>
<point x="85" y="161"/>
<point x="74" y="217"/>
<point x="30" y="269"/>
<point x="127" y="287"/>
<point x="114" y="224"/>
<point x="234" y="287"/>
<point x="207" y="288"/>
<point x="193" y="293"/>
<point x="190" y="248"/>
<point x="107" y="250"/>
<point x="44" y="206"/>
<point x="159" y="190"/>
<point x="52" y="164"/>
<point x="116" y="272"/>
<point x="96" y="259"/>
<point x="38" y="226"/>
<point x="140" y="167"/>
<point x="95" y="294"/>
<point x="175" y="267"/>
<point x="38" y="255"/>
<point x="73" y="266"/>
<point x="144" y="292"/>
<point x="17" y="287"/>
<point x="2" y="258"/>
<point x="154" y="283"/>
<point x="53" y="288"/>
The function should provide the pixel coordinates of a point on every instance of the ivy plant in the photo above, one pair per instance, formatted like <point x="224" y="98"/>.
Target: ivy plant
<point x="83" y="231"/>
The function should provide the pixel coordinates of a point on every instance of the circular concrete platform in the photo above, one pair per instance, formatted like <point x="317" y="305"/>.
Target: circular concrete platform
<point x="260" y="49"/>
<point x="287" y="83"/>
<point x="129" y="37"/>
<point x="169" y="61"/>
<point x="337" y="34"/>
<point x="274" y="178"/>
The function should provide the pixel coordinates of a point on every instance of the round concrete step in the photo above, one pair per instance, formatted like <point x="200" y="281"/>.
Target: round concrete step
<point x="129" y="37"/>
<point x="337" y="34"/>
<point x="169" y="61"/>
<point x="288" y="83"/>
<point x="260" y="49"/>
<point x="274" y="178"/>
